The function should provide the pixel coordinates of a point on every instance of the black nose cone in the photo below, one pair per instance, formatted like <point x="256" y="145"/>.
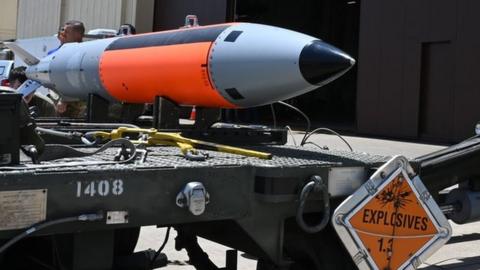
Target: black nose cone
<point x="321" y="63"/>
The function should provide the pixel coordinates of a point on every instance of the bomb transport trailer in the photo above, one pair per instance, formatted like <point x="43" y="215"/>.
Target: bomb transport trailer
<point x="79" y="192"/>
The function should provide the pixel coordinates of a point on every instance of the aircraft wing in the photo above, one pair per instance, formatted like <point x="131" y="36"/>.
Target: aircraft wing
<point x="27" y="57"/>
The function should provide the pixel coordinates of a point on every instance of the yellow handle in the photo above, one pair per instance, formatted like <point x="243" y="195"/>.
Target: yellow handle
<point x="243" y="151"/>
<point x="175" y="139"/>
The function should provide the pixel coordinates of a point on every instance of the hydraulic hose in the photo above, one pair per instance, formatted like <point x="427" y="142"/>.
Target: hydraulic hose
<point x="41" y="226"/>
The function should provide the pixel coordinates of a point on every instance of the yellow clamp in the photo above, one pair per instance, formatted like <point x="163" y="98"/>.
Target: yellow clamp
<point x="176" y="139"/>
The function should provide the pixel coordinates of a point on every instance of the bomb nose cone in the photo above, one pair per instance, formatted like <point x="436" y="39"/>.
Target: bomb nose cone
<point x="321" y="63"/>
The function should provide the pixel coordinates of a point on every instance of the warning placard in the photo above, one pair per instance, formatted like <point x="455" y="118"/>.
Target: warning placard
<point x="393" y="225"/>
<point x="22" y="208"/>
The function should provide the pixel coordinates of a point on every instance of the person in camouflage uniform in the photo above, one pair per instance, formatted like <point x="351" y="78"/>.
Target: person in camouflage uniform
<point x="44" y="105"/>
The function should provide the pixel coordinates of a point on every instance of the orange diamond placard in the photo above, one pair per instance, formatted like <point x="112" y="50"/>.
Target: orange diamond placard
<point x="393" y="225"/>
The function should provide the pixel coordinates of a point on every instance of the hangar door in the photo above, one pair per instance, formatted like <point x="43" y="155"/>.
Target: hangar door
<point x="436" y="91"/>
<point x="170" y="14"/>
<point x="417" y="75"/>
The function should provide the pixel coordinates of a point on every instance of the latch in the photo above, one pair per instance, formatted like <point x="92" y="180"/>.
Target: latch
<point x="195" y="197"/>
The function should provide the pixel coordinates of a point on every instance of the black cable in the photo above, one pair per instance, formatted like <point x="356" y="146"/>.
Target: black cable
<point x="39" y="262"/>
<point x="161" y="247"/>
<point x="40" y="226"/>
<point x="299" y="111"/>
<point x="291" y="134"/>
<point x="57" y="151"/>
<point x="307" y="135"/>
<point x="312" y="143"/>
<point x="274" y="116"/>
<point x="68" y="135"/>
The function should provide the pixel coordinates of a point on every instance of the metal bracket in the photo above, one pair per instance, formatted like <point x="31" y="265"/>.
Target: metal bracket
<point x="425" y="196"/>
<point x="370" y="187"/>
<point x="416" y="262"/>
<point x="390" y="167"/>
<point x="194" y="196"/>
<point x="359" y="257"/>
<point x="117" y="217"/>
<point x="316" y="184"/>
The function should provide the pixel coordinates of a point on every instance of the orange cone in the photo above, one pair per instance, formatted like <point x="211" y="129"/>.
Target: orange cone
<point x="193" y="114"/>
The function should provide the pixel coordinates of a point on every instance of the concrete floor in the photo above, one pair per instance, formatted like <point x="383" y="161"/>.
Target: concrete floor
<point x="460" y="253"/>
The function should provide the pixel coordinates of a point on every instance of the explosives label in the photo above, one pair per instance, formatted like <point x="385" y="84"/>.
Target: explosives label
<point x="391" y="222"/>
<point x="22" y="208"/>
<point x="393" y="225"/>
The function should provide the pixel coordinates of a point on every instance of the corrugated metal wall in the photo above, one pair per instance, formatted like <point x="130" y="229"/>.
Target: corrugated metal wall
<point x="417" y="75"/>
<point x="144" y="15"/>
<point x="129" y="9"/>
<point x="8" y="19"/>
<point x="93" y="13"/>
<point x="37" y="18"/>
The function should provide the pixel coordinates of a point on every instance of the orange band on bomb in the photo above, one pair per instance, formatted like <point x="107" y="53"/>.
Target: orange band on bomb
<point x="176" y="72"/>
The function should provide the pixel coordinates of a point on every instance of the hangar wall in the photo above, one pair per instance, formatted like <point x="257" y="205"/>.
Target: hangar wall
<point x="417" y="74"/>
<point x="38" y="18"/>
<point x="8" y="19"/>
<point x="170" y="14"/>
<point x="94" y="14"/>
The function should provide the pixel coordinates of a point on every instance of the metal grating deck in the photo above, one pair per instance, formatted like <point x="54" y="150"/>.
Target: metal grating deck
<point x="171" y="157"/>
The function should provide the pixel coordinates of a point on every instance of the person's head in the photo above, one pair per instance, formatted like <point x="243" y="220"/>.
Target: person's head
<point x="126" y="29"/>
<point x="72" y="31"/>
<point x="17" y="77"/>
<point x="60" y="35"/>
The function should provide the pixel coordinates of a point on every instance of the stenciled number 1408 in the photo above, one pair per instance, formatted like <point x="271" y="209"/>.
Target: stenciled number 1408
<point x="100" y="188"/>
